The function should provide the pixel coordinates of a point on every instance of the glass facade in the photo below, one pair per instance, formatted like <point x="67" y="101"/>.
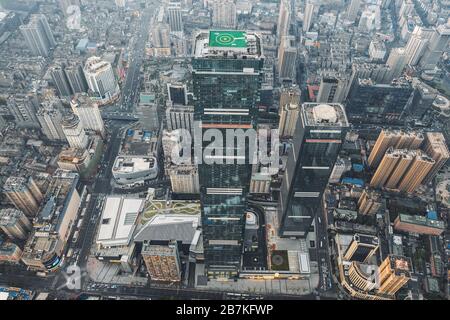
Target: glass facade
<point x="310" y="163"/>
<point x="226" y="97"/>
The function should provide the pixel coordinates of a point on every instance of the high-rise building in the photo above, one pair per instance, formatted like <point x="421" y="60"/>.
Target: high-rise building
<point x="24" y="194"/>
<point x="369" y="202"/>
<point x="437" y="148"/>
<point x="177" y="93"/>
<point x="161" y="36"/>
<point x="331" y="89"/>
<point x="397" y="139"/>
<point x="75" y="77"/>
<point x="38" y="35"/>
<point x="162" y="261"/>
<point x="397" y="61"/>
<point x="287" y="56"/>
<point x="290" y="95"/>
<point x="394" y="272"/>
<point x="23" y="107"/>
<point x="227" y="77"/>
<point x="418" y="224"/>
<point x="288" y="120"/>
<point x="74" y="132"/>
<point x="50" y="118"/>
<point x="362" y="248"/>
<point x="283" y="19"/>
<point x="307" y="16"/>
<point x="423" y="98"/>
<point x="88" y="113"/>
<point x="320" y="132"/>
<point x="101" y="79"/>
<point x="60" y="80"/>
<point x="372" y="102"/>
<point x="184" y="179"/>
<point x="402" y="170"/>
<point x="224" y="14"/>
<point x="435" y="47"/>
<point x="417" y="43"/>
<point x="14" y="223"/>
<point x="353" y="9"/>
<point x="175" y="17"/>
<point x="180" y="117"/>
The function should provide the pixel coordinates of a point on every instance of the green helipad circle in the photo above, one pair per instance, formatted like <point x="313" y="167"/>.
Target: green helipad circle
<point x="225" y="38"/>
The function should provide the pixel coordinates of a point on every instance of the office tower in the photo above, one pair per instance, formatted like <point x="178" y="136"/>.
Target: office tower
<point x="417" y="43"/>
<point x="287" y="56"/>
<point x="14" y="224"/>
<point x="321" y="129"/>
<point x="184" y="179"/>
<point x="288" y="120"/>
<point x="377" y="51"/>
<point x="23" y="107"/>
<point x="161" y="36"/>
<point x="283" y="19"/>
<point x="394" y="272"/>
<point x="370" y="102"/>
<point x="379" y="73"/>
<point x="437" y="148"/>
<point x="227" y="77"/>
<point x="38" y="35"/>
<point x="75" y="77"/>
<point x="50" y="118"/>
<point x="353" y="9"/>
<point x="397" y="61"/>
<point x="393" y="138"/>
<point x="100" y="78"/>
<point x="60" y="80"/>
<point x="175" y="17"/>
<point x="88" y="113"/>
<point x="435" y="47"/>
<point x="162" y="261"/>
<point x="331" y="89"/>
<point x="402" y="170"/>
<point x="180" y="117"/>
<point x="224" y="14"/>
<point x="177" y="93"/>
<point x="369" y="202"/>
<point x="307" y="17"/>
<point x="362" y="248"/>
<point x="74" y="132"/>
<point x="290" y="95"/>
<point x="24" y="194"/>
<point x="423" y="98"/>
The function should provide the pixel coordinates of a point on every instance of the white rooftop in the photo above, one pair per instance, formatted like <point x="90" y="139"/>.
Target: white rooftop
<point x="118" y="220"/>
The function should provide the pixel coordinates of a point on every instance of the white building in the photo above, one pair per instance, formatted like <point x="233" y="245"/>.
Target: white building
<point x="101" y="79"/>
<point x="134" y="169"/>
<point x="377" y="50"/>
<point x="89" y="113"/>
<point x="224" y="14"/>
<point x="74" y="132"/>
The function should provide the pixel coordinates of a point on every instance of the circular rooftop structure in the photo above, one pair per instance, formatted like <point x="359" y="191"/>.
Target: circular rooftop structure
<point x="325" y="113"/>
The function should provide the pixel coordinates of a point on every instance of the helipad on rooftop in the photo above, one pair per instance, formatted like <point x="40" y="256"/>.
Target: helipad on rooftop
<point x="228" y="39"/>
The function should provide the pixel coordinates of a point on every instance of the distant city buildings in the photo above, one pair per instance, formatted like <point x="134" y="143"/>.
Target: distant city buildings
<point x="24" y="193"/>
<point x="38" y="35"/>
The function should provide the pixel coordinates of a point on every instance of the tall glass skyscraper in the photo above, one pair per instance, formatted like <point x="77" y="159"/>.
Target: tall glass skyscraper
<point x="317" y="140"/>
<point x="227" y="77"/>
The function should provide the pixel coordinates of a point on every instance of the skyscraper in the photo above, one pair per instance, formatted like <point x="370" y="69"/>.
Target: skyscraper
<point x="75" y="77"/>
<point x="369" y="202"/>
<point x="23" y="107"/>
<point x="318" y="138"/>
<point x="14" y="224"/>
<point x="332" y="89"/>
<point x="371" y="102"/>
<point x="175" y="17"/>
<point x="162" y="261"/>
<point x="283" y="19"/>
<point x="60" y="80"/>
<point x="161" y="36"/>
<point x="224" y="14"/>
<point x="307" y="16"/>
<point x="417" y="44"/>
<point x="290" y="95"/>
<point x="436" y="47"/>
<point x="101" y="79"/>
<point x="38" y="35"/>
<point x="353" y="9"/>
<point x="288" y="120"/>
<point x="50" y="117"/>
<point x="88" y="113"/>
<point x="394" y="273"/>
<point x="74" y="132"/>
<point x="227" y="76"/>
<point x="397" y="61"/>
<point x="287" y="55"/>
<point x="397" y="139"/>
<point x="24" y="194"/>
<point x="437" y="148"/>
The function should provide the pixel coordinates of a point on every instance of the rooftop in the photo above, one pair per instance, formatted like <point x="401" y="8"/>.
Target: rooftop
<point x="327" y="115"/>
<point x="229" y="39"/>
<point x="129" y="164"/>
